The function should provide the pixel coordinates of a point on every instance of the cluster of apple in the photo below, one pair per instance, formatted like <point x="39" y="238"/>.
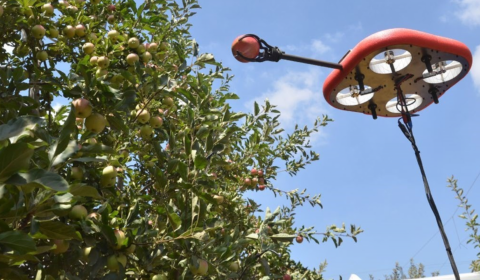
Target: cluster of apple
<point x="94" y="122"/>
<point x="257" y="179"/>
<point x="79" y="212"/>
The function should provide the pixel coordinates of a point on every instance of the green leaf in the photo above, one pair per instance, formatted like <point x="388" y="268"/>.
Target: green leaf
<point x="44" y="178"/>
<point x="84" y="190"/>
<point x="15" y="157"/>
<point x="283" y="237"/>
<point x="174" y="220"/>
<point x="257" y="108"/>
<point x="200" y="162"/>
<point x="133" y="214"/>
<point x="15" y="127"/>
<point x="69" y="151"/>
<point x="67" y="130"/>
<point x="18" y="241"/>
<point x="97" y="149"/>
<point x="58" y="230"/>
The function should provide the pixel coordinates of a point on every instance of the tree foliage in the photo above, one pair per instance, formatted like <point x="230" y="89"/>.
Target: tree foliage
<point x="144" y="174"/>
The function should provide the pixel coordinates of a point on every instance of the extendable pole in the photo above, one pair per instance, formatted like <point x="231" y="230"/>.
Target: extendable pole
<point x="311" y="61"/>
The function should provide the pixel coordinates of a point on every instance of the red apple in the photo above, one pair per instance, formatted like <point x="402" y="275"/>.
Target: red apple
<point x="38" y="31"/>
<point x="120" y="236"/>
<point x="247" y="181"/>
<point x="287" y="277"/>
<point x="249" y="47"/>
<point x="254" y="172"/>
<point x="299" y="239"/>
<point x="47" y="9"/>
<point x="261" y="187"/>
<point x="111" y="7"/>
<point x="156" y="122"/>
<point x="83" y="108"/>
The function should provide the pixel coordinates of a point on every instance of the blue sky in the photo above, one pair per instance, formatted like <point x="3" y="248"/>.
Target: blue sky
<point x="367" y="173"/>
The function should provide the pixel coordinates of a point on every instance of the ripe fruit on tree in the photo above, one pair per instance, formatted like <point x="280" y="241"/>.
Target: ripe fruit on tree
<point x="83" y="108"/>
<point x="103" y="62"/>
<point x="48" y="9"/>
<point x="111" y="19"/>
<point x="143" y="116"/>
<point x="38" y="31"/>
<point x="261" y="187"/>
<point x="141" y="49"/>
<point x="167" y="101"/>
<point x="247" y="181"/>
<point x="113" y="35"/>
<point x="146" y="57"/>
<point x="255" y="181"/>
<point x="219" y="198"/>
<point x="156" y="122"/>
<point x="159" y="277"/>
<point x="120" y="236"/>
<point x="287" y="277"/>
<point x="260" y="173"/>
<point x="42" y="55"/>
<point x="111" y="7"/>
<point x="152" y="47"/>
<point x="299" y="239"/>
<point x="95" y="123"/>
<point x="249" y="47"/>
<point x="133" y="43"/>
<point x="112" y="263"/>
<point x="234" y="266"/>
<point x="93" y="60"/>
<point x="88" y="48"/>
<point x="146" y="132"/>
<point x="132" y="58"/>
<point x="202" y="268"/>
<point x="80" y="30"/>
<point x="62" y="246"/>
<point x="69" y="31"/>
<point x="78" y="212"/>
<point x="109" y="176"/>
<point x="53" y="32"/>
<point x="77" y="173"/>
<point x="254" y="172"/>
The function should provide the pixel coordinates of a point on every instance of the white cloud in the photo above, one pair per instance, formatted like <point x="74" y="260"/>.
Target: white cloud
<point x="298" y="96"/>
<point x="334" y="37"/>
<point x="469" y="12"/>
<point x="315" y="48"/>
<point x="319" y="47"/>
<point x="475" y="70"/>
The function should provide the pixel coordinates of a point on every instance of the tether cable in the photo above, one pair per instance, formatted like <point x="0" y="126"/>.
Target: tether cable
<point x="406" y="128"/>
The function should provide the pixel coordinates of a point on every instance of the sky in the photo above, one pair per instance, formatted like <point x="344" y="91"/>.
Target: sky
<point x="367" y="172"/>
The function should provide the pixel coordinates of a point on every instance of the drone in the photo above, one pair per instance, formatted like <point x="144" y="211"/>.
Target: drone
<point x="392" y="73"/>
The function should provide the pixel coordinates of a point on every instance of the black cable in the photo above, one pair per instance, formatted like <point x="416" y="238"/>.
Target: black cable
<point x="408" y="132"/>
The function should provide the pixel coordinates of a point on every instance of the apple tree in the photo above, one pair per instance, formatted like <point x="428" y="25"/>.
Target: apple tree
<point x="143" y="172"/>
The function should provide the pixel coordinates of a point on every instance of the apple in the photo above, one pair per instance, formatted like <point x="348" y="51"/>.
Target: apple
<point x="161" y="55"/>
<point x="287" y="277"/>
<point x="131" y="249"/>
<point x="141" y="49"/>
<point x="261" y="181"/>
<point x="92" y="37"/>
<point x="93" y="216"/>
<point x="113" y="35"/>
<point x="103" y="62"/>
<point x="133" y="43"/>
<point x="255" y="181"/>
<point x="248" y="46"/>
<point x="62" y="246"/>
<point x="109" y="176"/>
<point x="164" y="46"/>
<point x="167" y="101"/>
<point x="260" y="173"/>
<point x="95" y="123"/>
<point x="80" y="30"/>
<point x="47" y="9"/>
<point x="111" y="19"/>
<point x="261" y="187"/>
<point x="146" y="132"/>
<point x="152" y="47"/>
<point x="53" y="32"/>
<point x="219" y="198"/>
<point x="42" y="55"/>
<point x="38" y="31"/>
<point x="78" y="212"/>
<point x="132" y="58"/>
<point x="202" y="268"/>
<point x="122" y="259"/>
<point x="88" y="48"/>
<point x="93" y="60"/>
<point x="83" y="108"/>
<point x="111" y="7"/>
<point x="146" y="57"/>
<point x="112" y="263"/>
<point x="156" y="122"/>
<point x="234" y="266"/>
<point x="159" y="277"/>
<point x="85" y="253"/>
<point x="76" y="173"/>
<point x="299" y="239"/>
<point x="247" y="181"/>
<point x="69" y="31"/>
<point x="120" y="236"/>
<point x="254" y="172"/>
<point x="143" y="116"/>
<point x="101" y="73"/>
